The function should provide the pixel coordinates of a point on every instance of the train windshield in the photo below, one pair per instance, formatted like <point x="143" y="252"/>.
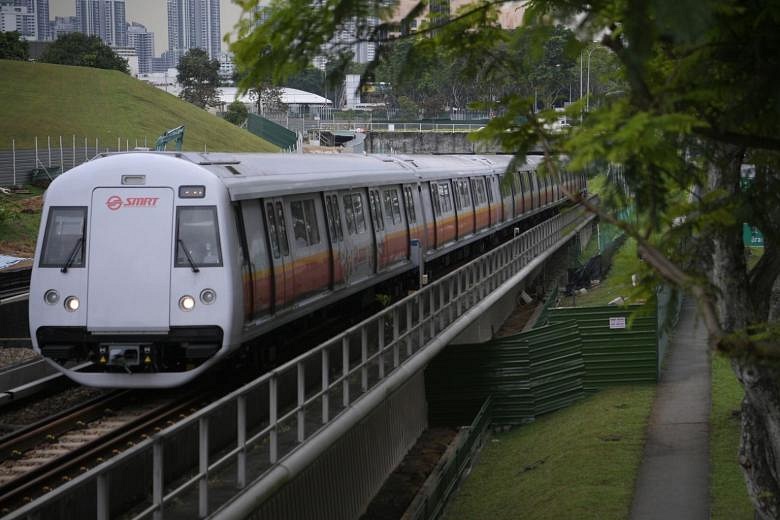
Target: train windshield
<point x="198" y="232"/>
<point x="63" y="242"/>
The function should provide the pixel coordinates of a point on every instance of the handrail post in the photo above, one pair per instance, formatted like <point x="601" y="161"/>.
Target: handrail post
<point x="103" y="511"/>
<point x="381" y="345"/>
<point x="364" y="359"/>
<point x="345" y="370"/>
<point x="396" y="333"/>
<point x="157" y="478"/>
<point x="272" y="418"/>
<point x="203" y="456"/>
<point x="325" y="385"/>
<point x="301" y="415"/>
<point x="241" y="436"/>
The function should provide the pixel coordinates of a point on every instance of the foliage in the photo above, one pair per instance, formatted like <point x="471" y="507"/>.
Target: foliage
<point x="309" y="79"/>
<point x="138" y="112"/>
<point x="83" y="51"/>
<point x="13" y="47"/>
<point x="199" y="77"/>
<point x="694" y="97"/>
<point x="236" y="113"/>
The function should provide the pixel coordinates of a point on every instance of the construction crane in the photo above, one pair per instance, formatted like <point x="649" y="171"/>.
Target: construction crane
<point x="174" y="134"/>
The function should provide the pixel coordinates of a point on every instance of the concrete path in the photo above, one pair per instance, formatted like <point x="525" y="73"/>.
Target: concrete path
<point x="673" y="481"/>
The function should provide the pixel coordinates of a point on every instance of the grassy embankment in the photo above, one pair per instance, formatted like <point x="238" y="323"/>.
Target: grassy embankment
<point x="43" y="100"/>
<point x="580" y="462"/>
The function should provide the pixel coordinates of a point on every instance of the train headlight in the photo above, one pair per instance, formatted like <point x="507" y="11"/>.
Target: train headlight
<point x="208" y="296"/>
<point x="72" y="304"/>
<point x="51" y="297"/>
<point x="186" y="303"/>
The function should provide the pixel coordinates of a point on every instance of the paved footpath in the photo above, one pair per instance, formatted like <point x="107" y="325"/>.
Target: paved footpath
<point x="673" y="481"/>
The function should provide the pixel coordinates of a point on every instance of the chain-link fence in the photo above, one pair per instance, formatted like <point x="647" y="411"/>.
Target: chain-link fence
<point x="51" y="156"/>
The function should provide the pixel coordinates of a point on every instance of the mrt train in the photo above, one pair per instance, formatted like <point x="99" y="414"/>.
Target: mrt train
<point x="154" y="266"/>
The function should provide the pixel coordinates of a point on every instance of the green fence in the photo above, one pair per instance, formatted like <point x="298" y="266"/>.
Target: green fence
<point x="272" y="132"/>
<point x="579" y="350"/>
<point x="526" y="374"/>
<point x="619" y="345"/>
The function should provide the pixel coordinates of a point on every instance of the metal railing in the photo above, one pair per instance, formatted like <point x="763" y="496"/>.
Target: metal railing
<point x="370" y="126"/>
<point x="259" y="425"/>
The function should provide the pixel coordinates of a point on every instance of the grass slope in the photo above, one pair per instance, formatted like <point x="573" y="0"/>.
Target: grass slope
<point x="727" y="485"/>
<point x="43" y="100"/>
<point x="580" y="462"/>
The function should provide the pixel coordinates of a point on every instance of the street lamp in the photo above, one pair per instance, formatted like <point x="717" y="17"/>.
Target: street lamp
<point x="587" y="87"/>
<point x="587" y="90"/>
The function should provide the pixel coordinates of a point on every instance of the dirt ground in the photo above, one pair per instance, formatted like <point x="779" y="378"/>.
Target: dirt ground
<point x="403" y="484"/>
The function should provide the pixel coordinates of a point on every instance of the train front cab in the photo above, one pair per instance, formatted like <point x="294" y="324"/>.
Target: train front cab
<point x="132" y="279"/>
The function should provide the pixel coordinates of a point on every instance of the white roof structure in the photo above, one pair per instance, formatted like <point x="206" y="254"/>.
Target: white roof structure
<point x="290" y="96"/>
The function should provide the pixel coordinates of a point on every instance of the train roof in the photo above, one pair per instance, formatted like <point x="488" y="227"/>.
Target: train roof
<point x="252" y="175"/>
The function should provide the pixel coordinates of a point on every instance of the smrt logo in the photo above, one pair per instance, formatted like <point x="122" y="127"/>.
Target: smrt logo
<point x="115" y="202"/>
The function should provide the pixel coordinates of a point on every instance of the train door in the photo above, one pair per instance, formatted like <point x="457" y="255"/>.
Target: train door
<point x="415" y="227"/>
<point x="338" y="251"/>
<point x="131" y="233"/>
<point x="260" y="276"/>
<point x="481" y="208"/>
<point x="443" y="212"/>
<point x="378" y="223"/>
<point x="358" y="238"/>
<point x="396" y="231"/>
<point x="494" y="200"/>
<point x="281" y="261"/>
<point x="463" y="207"/>
<point x="310" y="252"/>
<point x="507" y="203"/>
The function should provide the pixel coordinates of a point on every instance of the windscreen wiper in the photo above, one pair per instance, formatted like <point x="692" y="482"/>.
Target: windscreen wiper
<point x="72" y="255"/>
<point x="189" y="258"/>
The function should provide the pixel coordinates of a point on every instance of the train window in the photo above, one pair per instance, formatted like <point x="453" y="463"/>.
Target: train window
<point x="444" y="197"/>
<point x="197" y="237"/>
<point x="376" y="210"/>
<point x="465" y="196"/>
<point x="409" y="201"/>
<point x="490" y="189"/>
<point x="435" y="197"/>
<point x="353" y="212"/>
<point x="529" y="183"/>
<point x="272" y="234"/>
<point x="304" y="220"/>
<point x="478" y="189"/>
<point x="392" y="206"/>
<point x="506" y="189"/>
<point x="282" y="230"/>
<point x="63" y="242"/>
<point x="334" y="218"/>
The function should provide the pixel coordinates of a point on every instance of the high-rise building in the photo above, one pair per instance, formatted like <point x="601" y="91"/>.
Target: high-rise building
<point x="194" y="24"/>
<point x="103" y="18"/>
<point x="143" y="42"/>
<point x="63" y="25"/>
<point x="28" y="17"/>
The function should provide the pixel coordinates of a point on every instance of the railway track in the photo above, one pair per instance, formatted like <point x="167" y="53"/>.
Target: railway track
<point x="36" y="459"/>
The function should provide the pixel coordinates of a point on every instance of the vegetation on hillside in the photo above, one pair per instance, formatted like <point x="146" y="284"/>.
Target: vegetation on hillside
<point x="697" y="99"/>
<point x="68" y="101"/>
<point x="83" y="51"/>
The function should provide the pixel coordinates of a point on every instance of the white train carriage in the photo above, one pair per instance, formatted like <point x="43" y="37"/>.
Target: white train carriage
<point x="154" y="266"/>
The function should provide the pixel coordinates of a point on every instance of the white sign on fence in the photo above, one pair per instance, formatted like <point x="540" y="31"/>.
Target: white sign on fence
<point x="617" y="323"/>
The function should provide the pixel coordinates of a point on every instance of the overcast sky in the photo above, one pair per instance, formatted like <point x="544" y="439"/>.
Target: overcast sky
<point x="152" y="13"/>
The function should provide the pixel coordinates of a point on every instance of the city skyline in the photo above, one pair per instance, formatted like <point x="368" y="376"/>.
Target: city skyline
<point x="153" y="15"/>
